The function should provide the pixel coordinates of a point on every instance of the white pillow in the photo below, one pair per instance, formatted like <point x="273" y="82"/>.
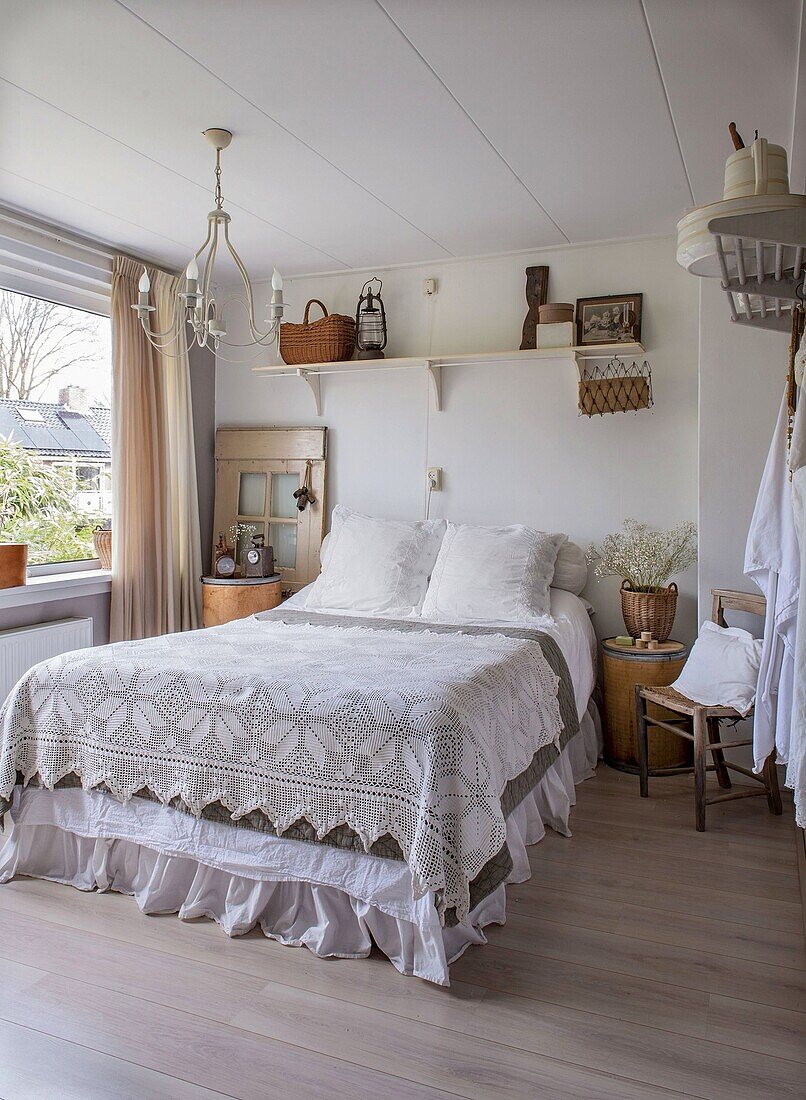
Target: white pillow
<point x="570" y="568"/>
<point x="722" y="668"/>
<point x="492" y="574"/>
<point x="379" y="566"/>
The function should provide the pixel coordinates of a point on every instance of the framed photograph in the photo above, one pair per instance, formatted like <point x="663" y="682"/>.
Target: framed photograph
<point x="612" y="320"/>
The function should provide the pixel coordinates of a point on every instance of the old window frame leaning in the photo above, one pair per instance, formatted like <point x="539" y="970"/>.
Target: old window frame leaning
<point x="270" y="451"/>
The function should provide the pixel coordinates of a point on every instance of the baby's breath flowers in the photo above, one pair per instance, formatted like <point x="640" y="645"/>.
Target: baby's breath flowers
<point x="645" y="557"/>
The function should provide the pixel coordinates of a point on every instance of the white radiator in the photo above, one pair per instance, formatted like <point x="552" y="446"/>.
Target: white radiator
<point x="26" y="646"/>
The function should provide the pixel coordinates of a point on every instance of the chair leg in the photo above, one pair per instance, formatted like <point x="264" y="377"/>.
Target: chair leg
<point x="771" y="783"/>
<point x="722" y="773"/>
<point x="700" y="749"/>
<point x="641" y="739"/>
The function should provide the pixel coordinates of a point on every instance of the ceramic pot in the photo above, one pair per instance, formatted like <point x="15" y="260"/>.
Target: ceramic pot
<point x="13" y="564"/>
<point x="652" y="611"/>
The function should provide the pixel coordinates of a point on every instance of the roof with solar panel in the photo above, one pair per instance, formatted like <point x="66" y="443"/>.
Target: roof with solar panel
<point x="72" y="426"/>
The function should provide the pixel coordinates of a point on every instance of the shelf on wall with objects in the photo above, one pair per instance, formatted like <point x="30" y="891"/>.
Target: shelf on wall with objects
<point x="433" y="364"/>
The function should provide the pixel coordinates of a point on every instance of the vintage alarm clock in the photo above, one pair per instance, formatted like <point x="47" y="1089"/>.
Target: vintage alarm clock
<point x="224" y="560"/>
<point x="257" y="559"/>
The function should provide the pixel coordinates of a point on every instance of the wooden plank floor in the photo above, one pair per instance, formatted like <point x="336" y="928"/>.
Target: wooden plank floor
<point x="642" y="960"/>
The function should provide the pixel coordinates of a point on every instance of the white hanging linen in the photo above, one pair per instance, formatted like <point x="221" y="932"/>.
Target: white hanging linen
<point x="772" y="559"/>
<point x="796" y="766"/>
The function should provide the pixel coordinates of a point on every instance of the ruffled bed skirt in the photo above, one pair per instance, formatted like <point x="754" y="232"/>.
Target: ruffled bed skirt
<point x="334" y="902"/>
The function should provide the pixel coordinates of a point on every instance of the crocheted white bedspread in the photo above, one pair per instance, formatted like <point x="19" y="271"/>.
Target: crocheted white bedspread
<point x="411" y="734"/>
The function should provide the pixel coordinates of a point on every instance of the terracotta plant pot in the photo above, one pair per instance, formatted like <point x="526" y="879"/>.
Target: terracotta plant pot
<point x="13" y="564"/>
<point x="652" y="611"/>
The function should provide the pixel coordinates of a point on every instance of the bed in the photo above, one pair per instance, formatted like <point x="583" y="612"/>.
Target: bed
<point x="338" y="780"/>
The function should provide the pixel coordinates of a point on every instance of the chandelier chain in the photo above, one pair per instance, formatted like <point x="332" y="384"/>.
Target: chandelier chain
<point x="219" y="196"/>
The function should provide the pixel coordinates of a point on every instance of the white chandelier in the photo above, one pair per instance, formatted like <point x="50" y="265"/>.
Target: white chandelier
<point x="196" y="305"/>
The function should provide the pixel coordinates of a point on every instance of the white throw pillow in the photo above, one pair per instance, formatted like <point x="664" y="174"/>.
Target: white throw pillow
<point x="570" y="568"/>
<point x="722" y="669"/>
<point x="492" y="574"/>
<point x="373" y="565"/>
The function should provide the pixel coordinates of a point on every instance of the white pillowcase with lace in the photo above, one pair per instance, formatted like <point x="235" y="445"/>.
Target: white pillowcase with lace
<point x="376" y="566"/>
<point x="492" y="574"/>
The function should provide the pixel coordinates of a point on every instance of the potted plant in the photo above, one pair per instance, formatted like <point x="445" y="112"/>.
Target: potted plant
<point x="30" y="490"/>
<point x="645" y="559"/>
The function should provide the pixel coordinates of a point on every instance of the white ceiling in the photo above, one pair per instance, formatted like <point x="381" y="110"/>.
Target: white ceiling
<point x="374" y="132"/>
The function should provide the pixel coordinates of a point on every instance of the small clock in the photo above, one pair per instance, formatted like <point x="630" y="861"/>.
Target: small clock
<point x="225" y="566"/>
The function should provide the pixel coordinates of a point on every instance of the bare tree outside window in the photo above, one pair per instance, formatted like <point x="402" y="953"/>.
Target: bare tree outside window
<point x="40" y="341"/>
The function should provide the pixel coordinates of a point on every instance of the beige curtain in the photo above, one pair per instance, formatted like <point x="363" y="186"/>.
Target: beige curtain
<point x="156" y="548"/>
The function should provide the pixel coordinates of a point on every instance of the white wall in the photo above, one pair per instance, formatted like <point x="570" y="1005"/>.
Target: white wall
<point x="742" y="379"/>
<point x="510" y="441"/>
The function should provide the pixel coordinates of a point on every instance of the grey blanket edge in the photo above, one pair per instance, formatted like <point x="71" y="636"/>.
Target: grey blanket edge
<point x="499" y="867"/>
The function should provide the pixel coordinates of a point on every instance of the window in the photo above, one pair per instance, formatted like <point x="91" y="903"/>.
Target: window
<point x="55" y="458"/>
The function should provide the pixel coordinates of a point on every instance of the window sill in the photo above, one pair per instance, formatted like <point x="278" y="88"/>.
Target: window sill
<point x="57" y="586"/>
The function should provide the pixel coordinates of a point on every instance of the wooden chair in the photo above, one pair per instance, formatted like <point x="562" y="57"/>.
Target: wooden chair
<point x="700" y="724"/>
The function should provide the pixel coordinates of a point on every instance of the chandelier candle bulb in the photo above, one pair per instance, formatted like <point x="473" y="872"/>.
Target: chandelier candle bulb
<point x="143" y="288"/>
<point x="192" y="276"/>
<point x="276" y="295"/>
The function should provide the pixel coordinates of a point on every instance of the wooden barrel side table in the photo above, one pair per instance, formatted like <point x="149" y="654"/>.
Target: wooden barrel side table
<point x="228" y="598"/>
<point x="624" y="667"/>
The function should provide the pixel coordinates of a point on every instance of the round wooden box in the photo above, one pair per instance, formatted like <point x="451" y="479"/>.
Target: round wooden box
<point x="624" y="667"/>
<point x="225" y="599"/>
<point x="554" y="312"/>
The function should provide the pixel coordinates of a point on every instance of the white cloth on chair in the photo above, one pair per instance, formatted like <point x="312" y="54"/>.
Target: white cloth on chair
<point x="772" y="559"/>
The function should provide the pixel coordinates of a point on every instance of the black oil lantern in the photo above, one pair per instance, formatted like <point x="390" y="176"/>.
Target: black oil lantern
<point x="370" y="322"/>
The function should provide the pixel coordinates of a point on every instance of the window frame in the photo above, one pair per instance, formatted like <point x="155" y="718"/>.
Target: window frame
<point x="51" y="568"/>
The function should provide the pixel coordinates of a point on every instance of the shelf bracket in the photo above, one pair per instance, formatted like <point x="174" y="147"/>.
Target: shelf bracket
<point x="435" y="383"/>
<point x="313" y="382"/>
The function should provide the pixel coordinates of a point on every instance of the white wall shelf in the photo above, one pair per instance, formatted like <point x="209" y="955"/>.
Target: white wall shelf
<point x="433" y="364"/>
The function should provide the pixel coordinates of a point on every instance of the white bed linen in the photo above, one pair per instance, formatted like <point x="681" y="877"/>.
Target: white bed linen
<point x="487" y="571"/>
<point x="413" y="733"/>
<point x="376" y="565"/>
<point x="334" y="902"/>
<point x="569" y="625"/>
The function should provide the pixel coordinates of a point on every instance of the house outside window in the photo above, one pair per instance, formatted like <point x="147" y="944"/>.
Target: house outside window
<point x="55" y="389"/>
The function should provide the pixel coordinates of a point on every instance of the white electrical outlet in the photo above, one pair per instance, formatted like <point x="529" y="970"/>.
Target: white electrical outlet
<point x="435" y="478"/>
<point x="429" y="287"/>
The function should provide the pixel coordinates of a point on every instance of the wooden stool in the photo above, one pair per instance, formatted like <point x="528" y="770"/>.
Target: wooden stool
<point x="699" y="724"/>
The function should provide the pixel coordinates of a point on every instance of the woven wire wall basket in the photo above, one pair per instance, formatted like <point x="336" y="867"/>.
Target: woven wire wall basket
<point x="615" y="387"/>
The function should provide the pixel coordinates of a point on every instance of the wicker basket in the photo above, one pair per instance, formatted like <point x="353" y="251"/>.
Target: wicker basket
<point x="611" y="395"/>
<point x="331" y="339"/>
<point x="653" y="611"/>
<point x="102" y="541"/>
